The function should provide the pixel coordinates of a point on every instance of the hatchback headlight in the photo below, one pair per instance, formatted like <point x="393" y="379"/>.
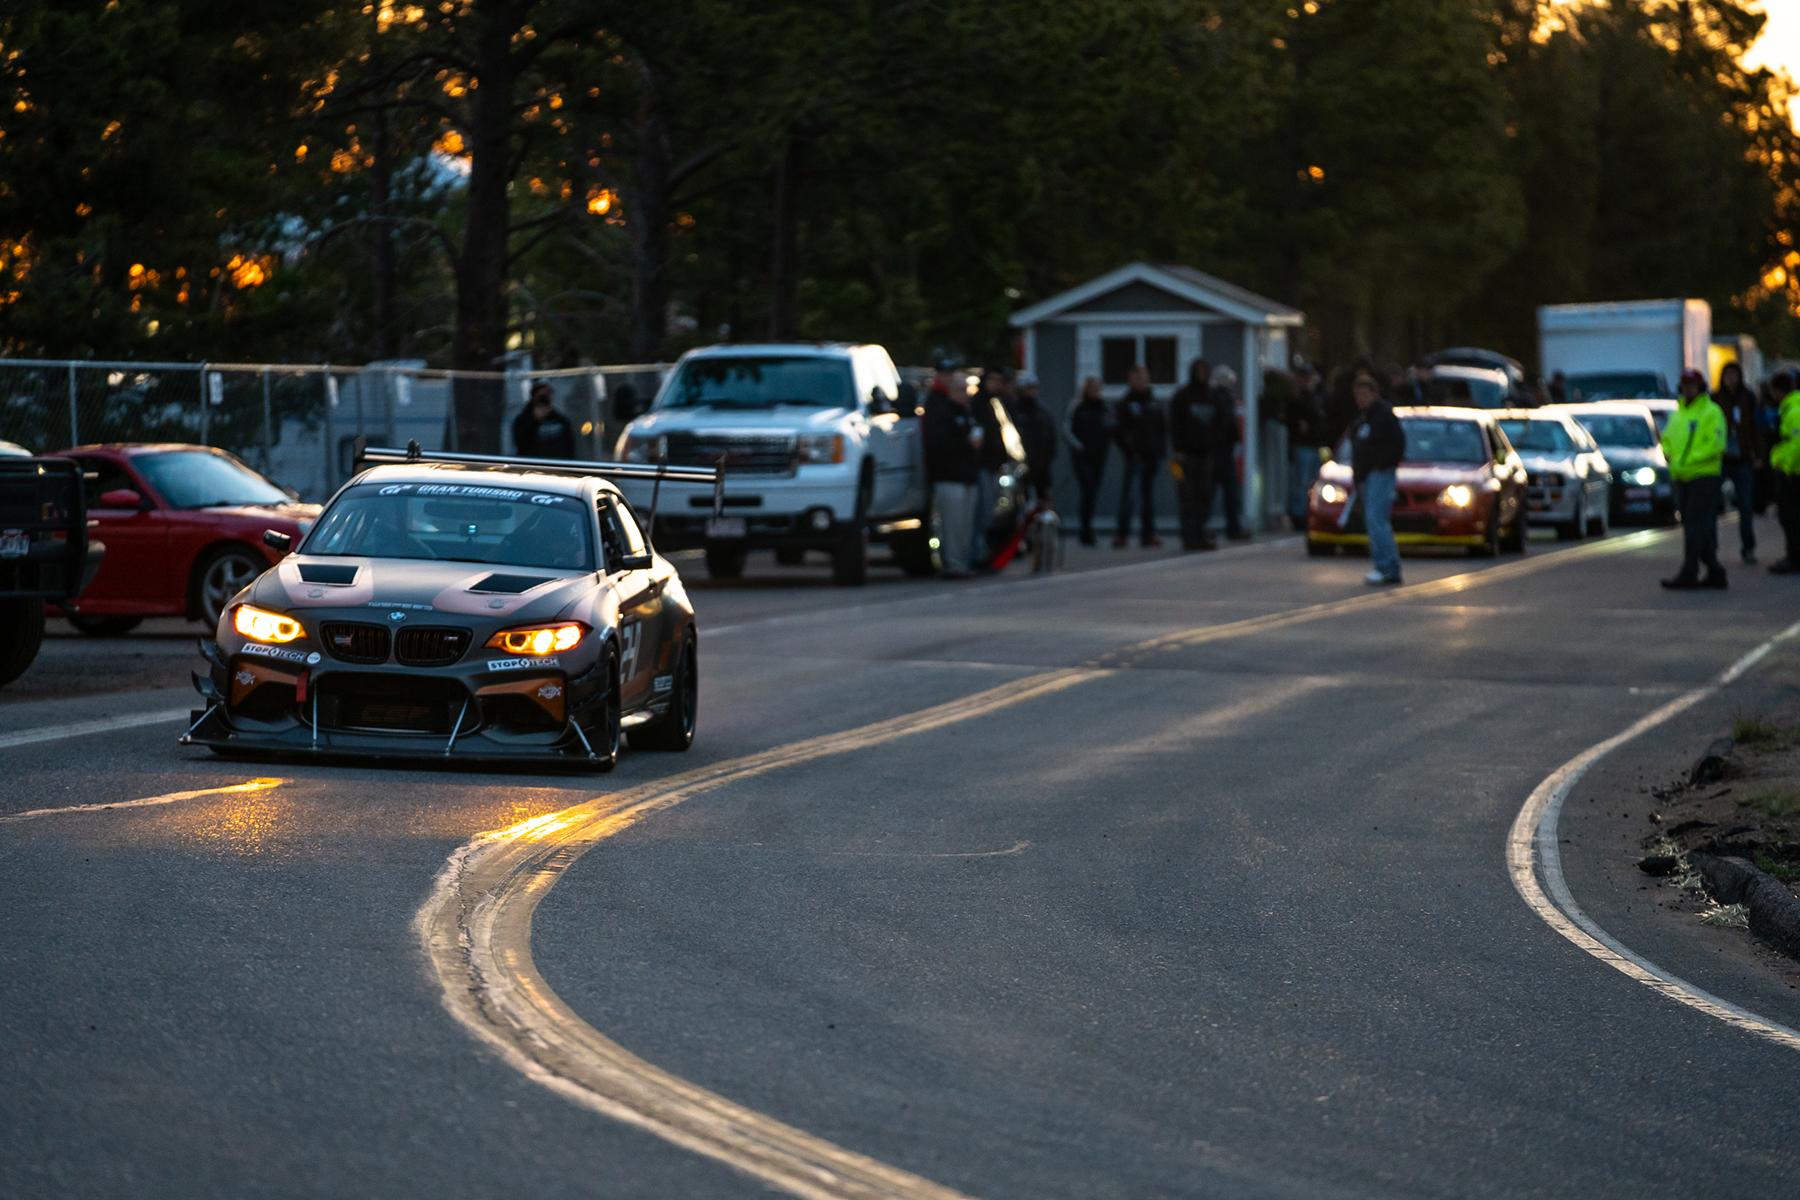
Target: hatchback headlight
<point x="1457" y="495"/>
<point x="1643" y="476"/>
<point x="822" y="448"/>
<point x="1331" y="493"/>
<point x="538" y="640"/>
<point x="261" y="625"/>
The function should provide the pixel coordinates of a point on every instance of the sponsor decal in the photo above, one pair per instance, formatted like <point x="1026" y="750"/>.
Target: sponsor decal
<point x="314" y="593"/>
<point x="550" y="691"/>
<point x="632" y="635"/>
<point x="244" y="677"/>
<point x="519" y="664"/>
<point x="312" y="660"/>
<point x="496" y="604"/>
<point x="396" y="615"/>
<point x="399" y="604"/>
<point x="278" y="653"/>
<point x="474" y="491"/>
<point x="663" y="683"/>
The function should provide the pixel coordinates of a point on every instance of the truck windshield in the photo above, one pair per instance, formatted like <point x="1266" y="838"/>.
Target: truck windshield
<point x="1616" y="385"/>
<point x="760" y="381"/>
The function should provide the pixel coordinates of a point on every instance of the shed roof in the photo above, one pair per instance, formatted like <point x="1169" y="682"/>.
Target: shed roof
<point x="1196" y="287"/>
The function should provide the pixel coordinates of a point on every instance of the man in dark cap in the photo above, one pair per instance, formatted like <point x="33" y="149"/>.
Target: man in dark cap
<point x="540" y="431"/>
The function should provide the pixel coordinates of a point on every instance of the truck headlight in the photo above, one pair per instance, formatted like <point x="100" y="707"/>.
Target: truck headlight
<point x="261" y="625"/>
<point x="642" y="448"/>
<point x="822" y="448"/>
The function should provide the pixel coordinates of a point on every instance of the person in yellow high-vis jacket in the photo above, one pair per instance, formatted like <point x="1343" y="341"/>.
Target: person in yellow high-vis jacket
<point x="1785" y="460"/>
<point x="1694" y="443"/>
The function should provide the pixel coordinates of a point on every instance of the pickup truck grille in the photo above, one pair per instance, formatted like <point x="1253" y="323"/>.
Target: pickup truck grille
<point x="743" y="455"/>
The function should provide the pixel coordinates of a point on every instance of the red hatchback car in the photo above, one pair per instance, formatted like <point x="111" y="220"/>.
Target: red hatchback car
<point x="1460" y="484"/>
<point x="183" y="529"/>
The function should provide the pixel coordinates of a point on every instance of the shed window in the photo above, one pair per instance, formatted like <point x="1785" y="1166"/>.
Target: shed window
<point x="1159" y="358"/>
<point x="1117" y="357"/>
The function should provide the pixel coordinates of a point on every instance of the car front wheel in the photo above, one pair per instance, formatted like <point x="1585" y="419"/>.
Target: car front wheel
<point x="21" y="633"/>
<point x="725" y="560"/>
<point x="220" y="576"/>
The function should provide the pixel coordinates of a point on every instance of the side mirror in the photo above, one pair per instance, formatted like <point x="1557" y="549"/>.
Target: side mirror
<point x="908" y="403"/>
<point x="879" y="404"/>
<point x="274" y="539"/>
<point x="123" y="498"/>
<point x="636" y="562"/>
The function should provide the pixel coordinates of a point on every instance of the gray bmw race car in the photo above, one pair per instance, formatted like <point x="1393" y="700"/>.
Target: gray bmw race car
<point x="457" y="606"/>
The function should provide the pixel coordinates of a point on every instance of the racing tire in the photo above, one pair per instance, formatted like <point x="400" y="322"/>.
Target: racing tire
<point x="674" y="730"/>
<point x="790" y="556"/>
<point x="220" y="576"/>
<point x="21" y="633"/>
<point x="1318" y="549"/>
<point x="105" y="626"/>
<point x="725" y="560"/>
<point x="608" y="734"/>
<point x="912" y="552"/>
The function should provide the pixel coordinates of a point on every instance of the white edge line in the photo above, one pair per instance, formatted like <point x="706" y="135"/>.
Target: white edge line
<point x="253" y="785"/>
<point x="1532" y="847"/>
<point x="31" y="737"/>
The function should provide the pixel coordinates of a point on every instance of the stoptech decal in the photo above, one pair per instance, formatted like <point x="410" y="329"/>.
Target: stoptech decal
<point x="519" y="664"/>
<point x="278" y="653"/>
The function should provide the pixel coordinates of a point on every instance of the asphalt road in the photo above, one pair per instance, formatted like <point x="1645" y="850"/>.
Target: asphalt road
<point x="1229" y="915"/>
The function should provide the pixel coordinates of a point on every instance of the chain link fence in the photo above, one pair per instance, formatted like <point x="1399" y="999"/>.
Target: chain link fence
<point x="296" y="423"/>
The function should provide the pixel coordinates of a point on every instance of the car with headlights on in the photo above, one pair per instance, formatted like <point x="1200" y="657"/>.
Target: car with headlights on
<point x="1568" y="480"/>
<point x="1627" y="435"/>
<point x="1461" y="483"/>
<point x="465" y="608"/>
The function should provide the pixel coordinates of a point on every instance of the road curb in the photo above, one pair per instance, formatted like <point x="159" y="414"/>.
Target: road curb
<point x="1774" y="911"/>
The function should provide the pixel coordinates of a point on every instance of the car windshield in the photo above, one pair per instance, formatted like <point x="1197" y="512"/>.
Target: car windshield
<point x="203" y="479"/>
<point x="760" y="381"/>
<point x="1626" y="431"/>
<point x="1543" y="437"/>
<point x="454" y="522"/>
<point x="1615" y="385"/>
<point x="1463" y="391"/>
<point x="1443" y="440"/>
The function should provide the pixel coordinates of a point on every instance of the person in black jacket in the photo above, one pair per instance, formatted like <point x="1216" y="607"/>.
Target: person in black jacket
<point x="1306" y="432"/>
<point x="1143" y="440"/>
<point x="1377" y="444"/>
<point x="953" y="445"/>
<point x="1089" y="431"/>
<point x="1037" y="429"/>
<point x="1194" y="431"/>
<point x="1225" y="401"/>
<point x="1743" y="451"/>
<point x="540" y="431"/>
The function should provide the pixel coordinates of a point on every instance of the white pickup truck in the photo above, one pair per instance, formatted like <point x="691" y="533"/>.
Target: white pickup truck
<point x="822" y="449"/>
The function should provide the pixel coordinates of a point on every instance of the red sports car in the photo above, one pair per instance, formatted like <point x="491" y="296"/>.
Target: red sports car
<point x="183" y="528"/>
<point x="1460" y="484"/>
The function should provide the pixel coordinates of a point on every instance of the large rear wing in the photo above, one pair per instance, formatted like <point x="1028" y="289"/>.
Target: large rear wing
<point x="43" y="528"/>
<point x="657" y="473"/>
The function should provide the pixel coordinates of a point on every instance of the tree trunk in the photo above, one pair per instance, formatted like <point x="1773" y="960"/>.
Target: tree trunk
<point x="648" y="219"/>
<point x="386" y="343"/>
<point x="784" y="267"/>
<point x="481" y="269"/>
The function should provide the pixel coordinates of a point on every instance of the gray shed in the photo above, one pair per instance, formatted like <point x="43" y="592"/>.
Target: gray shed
<point x="1163" y="317"/>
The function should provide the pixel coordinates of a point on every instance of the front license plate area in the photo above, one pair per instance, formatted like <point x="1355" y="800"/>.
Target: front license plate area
<point x="726" y="528"/>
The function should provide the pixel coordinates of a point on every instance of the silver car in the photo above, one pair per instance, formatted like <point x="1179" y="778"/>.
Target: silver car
<point x="1569" y="480"/>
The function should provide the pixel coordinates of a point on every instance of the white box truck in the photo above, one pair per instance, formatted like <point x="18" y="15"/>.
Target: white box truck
<point x="1624" y="351"/>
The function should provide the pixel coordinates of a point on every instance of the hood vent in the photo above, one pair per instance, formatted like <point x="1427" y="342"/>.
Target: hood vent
<point x="508" y="585"/>
<point x="328" y="573"/>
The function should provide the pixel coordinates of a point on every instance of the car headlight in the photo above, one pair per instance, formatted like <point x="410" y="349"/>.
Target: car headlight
<point x="261" y="625"/>
<point x="537" y="640"/>
<point x="1331" y="493"/>
<point x="822" y="448"/>
<point x="642" y="448"/>
<point x="1457" y="495"/>
<point x="1643" y="476"/>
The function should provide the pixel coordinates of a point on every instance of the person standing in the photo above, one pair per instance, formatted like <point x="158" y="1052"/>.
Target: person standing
<point x="1143" y="440"/>
<point x="1305" y="420"/>
<point x="1784" y="461"/>
<point x="1193" y="428"/>
<point x="539" y="431"/>
<point x="996" y="389"/>
<point x="953" y="442"/>
<point x="1377" y="444"/>
<point x="1089" y="431"/>
<point x="1037" y="429"/>
<point x="1743" y="452"/>
<point x="1694" y="443"/>
<point x="1225" y="464"/>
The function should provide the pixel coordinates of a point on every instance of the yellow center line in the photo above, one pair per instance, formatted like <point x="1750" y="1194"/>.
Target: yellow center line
<point x="475" y="926"/>
<point x="254" y="785"/>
